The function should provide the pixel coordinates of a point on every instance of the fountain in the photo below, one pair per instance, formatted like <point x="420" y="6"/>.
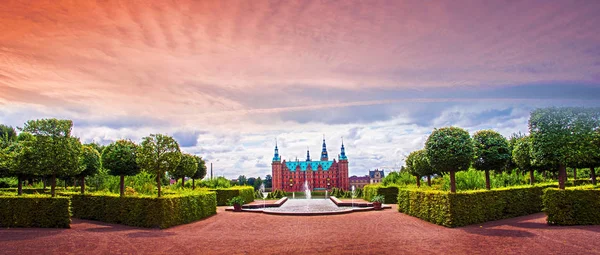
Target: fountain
<point x="264" y="194"/>
<point x="353" y="191"/>
<point x="306" y="190"/>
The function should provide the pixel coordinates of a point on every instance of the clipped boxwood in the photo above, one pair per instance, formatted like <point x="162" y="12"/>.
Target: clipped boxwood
<point x="148" y="212"/>
<point x="224" y="194"/>
<point x="572" y="206"/>
<point x="471" y="207"/>
<point x="389" y="192"/>
<point x="34" y="211"/>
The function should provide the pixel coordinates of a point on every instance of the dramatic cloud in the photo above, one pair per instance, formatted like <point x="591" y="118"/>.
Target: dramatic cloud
<point x="228" y="78"/>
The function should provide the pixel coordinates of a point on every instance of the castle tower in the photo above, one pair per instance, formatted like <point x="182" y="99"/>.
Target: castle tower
<point x="324" y="156"/>
<point x="343" y="168"/>
<point x="277" y="170"/>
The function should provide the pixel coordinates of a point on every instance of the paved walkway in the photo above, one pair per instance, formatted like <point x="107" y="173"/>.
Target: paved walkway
<point x="372" y="232"/>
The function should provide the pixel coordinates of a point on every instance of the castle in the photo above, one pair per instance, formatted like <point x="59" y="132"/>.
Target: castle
<point x="323" y="174"/>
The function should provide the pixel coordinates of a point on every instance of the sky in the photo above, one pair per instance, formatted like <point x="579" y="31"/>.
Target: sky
<point x="229" y="78"/>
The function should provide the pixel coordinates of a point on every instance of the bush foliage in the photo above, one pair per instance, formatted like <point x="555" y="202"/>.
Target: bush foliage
<point x="143" y="211"/>
<point x="223" y="195"/>
<point x="465" y="208"/>
<point x="390" y="193"/>
<point x="572" y="206"/>
<point x="34" y="211"/>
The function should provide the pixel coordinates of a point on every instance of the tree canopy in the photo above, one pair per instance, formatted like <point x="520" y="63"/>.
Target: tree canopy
<point x="491" y="152"/>
<point x="159" y="154"/>
<point x="119" y="158"/>
<point x="201" y="170"/>
<point x="187" y="167"/>
<point x="450" y="149"/>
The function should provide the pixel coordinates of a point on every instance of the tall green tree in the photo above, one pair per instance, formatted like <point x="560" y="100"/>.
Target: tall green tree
<point x="159" y="154"/>
<point x="58" y="151"/>
<point x="22" y="159"/>
<point x="8" y="135"/>
<point x="200" y="171"/>
<point x="449" y="150"/>
<point x="491" y="153"/>
<point x="90" y="162"/>
<point x="242" y="180"/>
<point x="268" y="181"/>
<point x="119" y="158"/>
<point x="410" y="166"/>
<point x="422" y="165"/>
<point x="187" y="167"/>
<point x="521" y="155"/>
<point x="257" y="183"/>
<point x="557" y="134"/>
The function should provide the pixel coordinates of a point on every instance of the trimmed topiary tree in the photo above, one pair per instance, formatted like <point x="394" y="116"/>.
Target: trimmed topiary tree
<point x="200" y="171"/>
<point x="521" y="155"/>
<point x="422" y="166"/>
<point x="119" y="158"/>
<point x="450" y="149"/>
<point x="57" y="151"/>
<point x="159" y="154"/>
<point x="21" y="159"/>
<point x="411" y="168"/>
<point x="90" y="162"/>
<point x="187" y="167"/>
<point x="491" y="153"/>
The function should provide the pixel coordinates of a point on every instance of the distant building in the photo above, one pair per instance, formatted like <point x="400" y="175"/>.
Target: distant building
<point x="359" y="181"/>
<point x="376" y="176"/>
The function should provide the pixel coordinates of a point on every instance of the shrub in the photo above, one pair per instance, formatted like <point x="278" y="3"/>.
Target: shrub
<point x="276" y="194"/>
<point x="223" y="195"/>
<point x="572" y="206"/>
<point x="390" y="193"/>
<point x="465" y="208"/>
<point x="34" y="211"/>
<point x="378" y="199"/>
<point x="144" y="211"/>
<point x="236" y="201"/>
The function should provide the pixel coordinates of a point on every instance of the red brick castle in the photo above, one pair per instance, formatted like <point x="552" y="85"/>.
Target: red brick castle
<point x="323" y="174"/>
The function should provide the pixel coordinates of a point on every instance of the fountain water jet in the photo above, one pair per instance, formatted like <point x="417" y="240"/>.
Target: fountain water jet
<point x="264" y="194"/>
<point x="353" y="196"/>
<point x="306" y="190"/>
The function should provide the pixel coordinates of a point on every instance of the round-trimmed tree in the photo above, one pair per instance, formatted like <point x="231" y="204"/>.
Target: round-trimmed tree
<point x="21" y="159"/>
<point x="491" y="153"/>
<point x="159" y="154"/>
<point x="521" y="155"/>
<point x="119" y="158"/>
<point x="422" y="166"/>
<point x="200" y="171"/>
<point x="90" y="162"/>
<point x="187" y="167"/>
<point x="449" y="150"/>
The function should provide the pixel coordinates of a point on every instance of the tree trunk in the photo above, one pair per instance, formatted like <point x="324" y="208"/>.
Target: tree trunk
<point x="183" y="182"/>
<point x="82" y="184"/>
<point x="429" y="180"/>
<point x="65" y="184"/>
<point x="419" y="181"/>
<point x="122" y="185"/>
<point x="531" y="177"/>
<point x="487" y="179"/>
<point x="562" y="176"/>
<point x="452" y="182"/>
<point x="53" y="185"/>
<point x="593" y="175"/>
<point x="574" y="175"/>
<point x="193" y="184"/>
<point x="158" y="184"/>
<point x="20" y="185"/>
<point x="544" y="174"/>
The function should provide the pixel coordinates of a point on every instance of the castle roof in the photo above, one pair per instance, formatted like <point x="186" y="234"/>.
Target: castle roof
<point x="372" y="173"/>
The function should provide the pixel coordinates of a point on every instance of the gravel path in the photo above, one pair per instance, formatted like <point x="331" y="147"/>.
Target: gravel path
<point x="372" y="232"/>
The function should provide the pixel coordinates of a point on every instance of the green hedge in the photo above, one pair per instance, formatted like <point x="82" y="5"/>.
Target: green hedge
<point x="224" y="194"/>
<point x="148" y="212"/>
<point x="470" y="207"/>
<point x="390" y="193"/>
<point x="34" y="211"/>
<point x="572" y="206"/>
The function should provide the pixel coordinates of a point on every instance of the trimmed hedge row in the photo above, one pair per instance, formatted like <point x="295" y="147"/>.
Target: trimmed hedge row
<point x="572" y="206"/>
<point x="471" y="207"/>
<point x="34" y="211"/>
<point x="223" y="195"/>
<point x="148" y="212"/>
<point x="390" y="193"/>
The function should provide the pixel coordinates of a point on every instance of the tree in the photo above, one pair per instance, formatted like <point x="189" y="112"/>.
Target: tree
<point x="58" y="151"/>
<point x="98" y="147"/>
<point x="510" y="165"/>
<point x="422" y="166"/>
<point x="22" y="159"/>
<point x="8" y="135"/>
<point x="188" y="166"/>
<point x="200" y="171"/>
<point x="159" y="154"/>
<point x="257" y="183"/>
<point x="242" y="180"/>
<point x="491" y="152"/>
<point x="521" y="155"/>
<point x="268" y="181"/>
<point x="120" y="159"/>
<point x="410" y="166"/>
<point x="450" y="149"/>
<point x="90" y="162"/>
<point x="557" y="134"/>
<point x="251" y="181"/>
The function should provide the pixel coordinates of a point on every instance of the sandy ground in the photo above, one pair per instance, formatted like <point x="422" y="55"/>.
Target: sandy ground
<point x="372" y="232"/>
